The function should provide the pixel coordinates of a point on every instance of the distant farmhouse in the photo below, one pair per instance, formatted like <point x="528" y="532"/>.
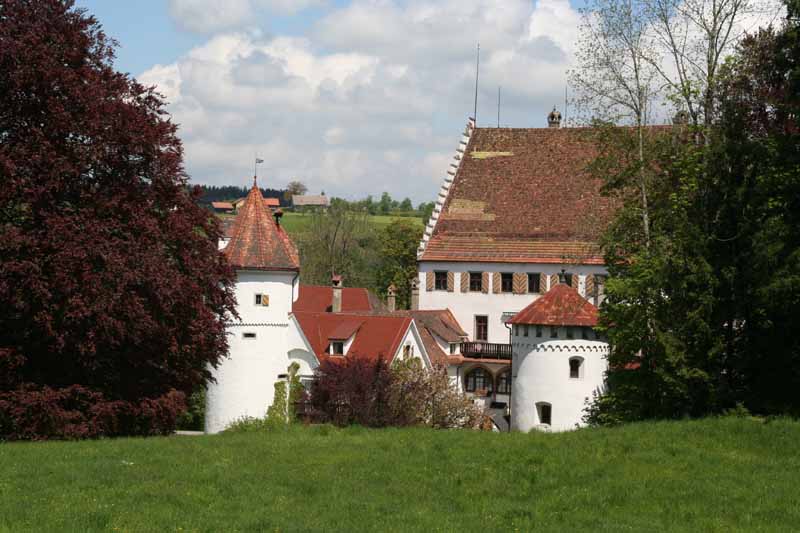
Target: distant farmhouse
<point x="510" y="274"/>
<point x="222" y="207"/>
<point x="307" y="202"/>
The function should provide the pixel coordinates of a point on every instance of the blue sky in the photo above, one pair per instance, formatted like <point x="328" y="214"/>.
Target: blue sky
<point x="353" y="98"/>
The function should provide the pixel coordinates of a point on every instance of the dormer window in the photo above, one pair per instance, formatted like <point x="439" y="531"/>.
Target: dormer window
<point x="453" y="348"/>
<point x="408" y="351"/>
<point x="337" y="348"/>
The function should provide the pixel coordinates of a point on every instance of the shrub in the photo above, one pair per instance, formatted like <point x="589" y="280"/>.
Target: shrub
<point x="75" y="412"/>
<point x="369" y="393"/>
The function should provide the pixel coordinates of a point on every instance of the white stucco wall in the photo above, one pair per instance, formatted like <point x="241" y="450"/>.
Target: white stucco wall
<point x="245" y="379"/>
<point x="466" y="305"/>
<point x="413" y="339"/>
<point x="541" y="373"/>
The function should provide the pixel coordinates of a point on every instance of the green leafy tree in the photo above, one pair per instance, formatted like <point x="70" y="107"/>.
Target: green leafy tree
<point x="406" y="205"/>
<point x="385" y="204"/>
<point x="398" y="258"/>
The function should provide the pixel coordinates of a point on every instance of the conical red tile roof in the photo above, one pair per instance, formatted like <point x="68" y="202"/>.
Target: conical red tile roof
<point x="257" y="242"/>
<point x="560" y="306"/>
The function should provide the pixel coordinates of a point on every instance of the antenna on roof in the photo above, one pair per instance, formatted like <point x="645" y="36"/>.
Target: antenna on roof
<point x="565" y="103"/>
<point x="498" y="105"/>
<point x="477" y="70"/>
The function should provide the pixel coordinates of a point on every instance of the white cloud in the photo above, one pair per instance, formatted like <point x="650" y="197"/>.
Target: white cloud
<point x="373" y="97"/>
<point x="208" y="16"/>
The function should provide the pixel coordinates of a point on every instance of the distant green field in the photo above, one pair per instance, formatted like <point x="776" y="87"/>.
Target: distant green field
<point x="723" y="475"/>
<point x="297" y="222"/>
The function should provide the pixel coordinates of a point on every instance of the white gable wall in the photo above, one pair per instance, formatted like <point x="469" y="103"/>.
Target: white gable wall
<point x="466" y="305"/>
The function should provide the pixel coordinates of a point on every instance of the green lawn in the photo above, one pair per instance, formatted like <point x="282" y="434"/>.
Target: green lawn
<point x="713" y="475"/>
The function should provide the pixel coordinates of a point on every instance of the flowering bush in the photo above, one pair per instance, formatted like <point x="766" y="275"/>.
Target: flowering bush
<point x="371" y="393"/>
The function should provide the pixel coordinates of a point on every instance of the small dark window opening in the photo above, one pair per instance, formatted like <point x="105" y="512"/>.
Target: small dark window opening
<point x="568" y="279"/>
<point x="553" y="332"/>
<point x="570" y="332"/>
<point x="476" y="281"/>
<point x="533" y="283"/>
<point x="504" y="383"/>
<point x="481" y="328"/>
<point x="526" y="330"/>
<point x="575" y="368"/>
<point x="337" y="348"/>
<point x="545" y="413"/>
<point x="453" y="348"/>
<point x="506" y="282"/>
<point x="585" y="333"/>
<point x="249" y="335"/>
<point x="440" y="283"/>
<point x="258" y="299"/>
<point x="538" y="331"/>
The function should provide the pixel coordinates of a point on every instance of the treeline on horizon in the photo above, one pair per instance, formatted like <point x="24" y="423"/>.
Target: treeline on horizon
<point x="385" y="205"/>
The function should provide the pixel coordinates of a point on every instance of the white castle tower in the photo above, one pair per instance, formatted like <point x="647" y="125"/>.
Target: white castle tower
<point x="558" y="361"/>
<point x="267" y="283"/>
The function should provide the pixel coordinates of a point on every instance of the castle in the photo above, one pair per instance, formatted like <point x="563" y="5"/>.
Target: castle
<point x="510" y="274"/>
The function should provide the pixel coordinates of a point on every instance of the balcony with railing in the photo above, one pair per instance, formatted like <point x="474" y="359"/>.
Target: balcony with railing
<point x="486" y="350"/>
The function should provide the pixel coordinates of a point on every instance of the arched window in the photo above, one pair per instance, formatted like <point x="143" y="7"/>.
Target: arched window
<point x="545" y="412"/>
<point x="576" y="367"/>
<point x="504" y="382"/>
<point x="478" y="379"/>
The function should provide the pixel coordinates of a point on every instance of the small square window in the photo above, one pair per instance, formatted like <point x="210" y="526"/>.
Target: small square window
<point x="248" y="335"/>
<point x="453" y="348"/>
<point x="545" y="413"/>
<point x="337" y="348"/>
<point x="506" y="282"/>
<point x="553" y="332"/>
<point x="441" y="281"/>
<point x="408" y="351"/>
<point x="533" y="283"/>
<point x="476" y="281"/>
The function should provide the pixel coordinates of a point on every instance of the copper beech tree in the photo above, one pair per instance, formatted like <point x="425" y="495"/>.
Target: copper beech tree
<point x="112" y="291"/>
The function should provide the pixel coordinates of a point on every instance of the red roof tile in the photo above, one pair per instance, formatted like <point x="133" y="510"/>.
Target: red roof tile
<point x="257" y="242"/>
<point x="560" y="306"/>
<point x="378" y="336"/>
<point x="272" y="202"/>
<point x="222" y="205"/>
<point x="318" y="299"/>
<point x="522" y="195"/>
<point x="439" y="322"/>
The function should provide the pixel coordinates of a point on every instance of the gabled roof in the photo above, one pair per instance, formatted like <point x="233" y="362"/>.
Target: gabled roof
<point x="222" y="205"/>
<point x="377" y="336"/>
<point x="313" y="200"/>
<point x="318" y="299"/>
<point x="272" y="202"/>
<point x="257" y="242"/>
<point x="438" y="322"/>
<point x="520" y="195"/>
<point x="560" y="306"/>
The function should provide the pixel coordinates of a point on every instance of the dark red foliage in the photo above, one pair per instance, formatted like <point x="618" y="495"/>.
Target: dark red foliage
<point x="110" y="278"/>
<point x="351" y="391"/>
<point x="77" y="413"/>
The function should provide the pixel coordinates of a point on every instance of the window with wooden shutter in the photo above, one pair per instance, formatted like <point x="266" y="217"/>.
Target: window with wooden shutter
<point x="588" y="286"/>
<point x="553" y="280"/>
<point x="575" y="281"/>
<point x="430" y="278"/>
<point x="465" y="282"/>
<point x="451" y="281"/>
<point x="542" y="283"/>
<point x="496" y="282"/>
<point x="520" y="283"/>
<point x="485" y="282"/>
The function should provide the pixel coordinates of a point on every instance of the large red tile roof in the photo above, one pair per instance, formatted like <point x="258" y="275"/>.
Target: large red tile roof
<point x="318" y="299"/>
<point x="257" y="242"/>
<point x="560" y="306"/>
<point x="522" y="195"/>
<point x="377" y="336"/>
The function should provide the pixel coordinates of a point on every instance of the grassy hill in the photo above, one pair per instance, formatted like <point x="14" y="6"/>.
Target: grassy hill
<point x="712" y="475"/>
<point x="297" y="222"/>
